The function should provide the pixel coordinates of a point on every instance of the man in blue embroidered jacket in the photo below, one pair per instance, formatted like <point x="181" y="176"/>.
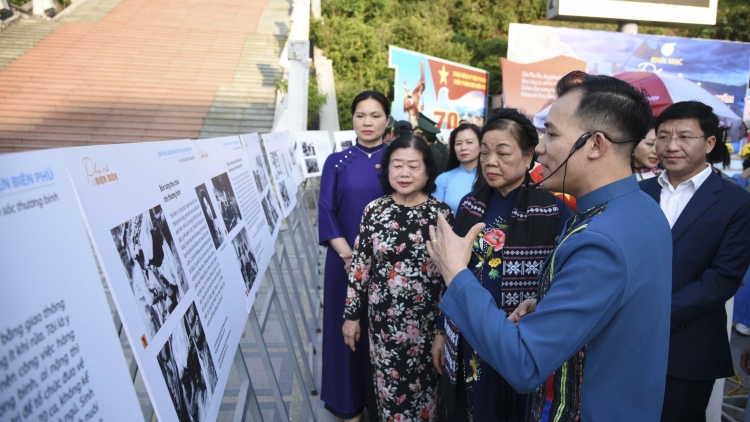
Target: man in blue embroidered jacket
<point x="595" y="345"/>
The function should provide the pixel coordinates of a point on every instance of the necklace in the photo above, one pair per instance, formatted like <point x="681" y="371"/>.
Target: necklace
<point x="369" y="154"/>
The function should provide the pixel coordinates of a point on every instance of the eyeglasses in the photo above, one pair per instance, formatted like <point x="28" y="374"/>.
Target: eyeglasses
<point x="681" y="139"/>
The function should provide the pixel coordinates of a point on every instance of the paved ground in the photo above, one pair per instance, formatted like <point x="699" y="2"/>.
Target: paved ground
<point x="114" y="71"/>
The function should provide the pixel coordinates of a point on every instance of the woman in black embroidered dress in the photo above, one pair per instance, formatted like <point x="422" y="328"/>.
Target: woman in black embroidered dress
<point x="522" y="221"/>
<point x="392" y="271"/>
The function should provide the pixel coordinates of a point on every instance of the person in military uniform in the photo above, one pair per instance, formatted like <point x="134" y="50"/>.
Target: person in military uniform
<point x="427" y="129"/>
<point x="390" y="134"/>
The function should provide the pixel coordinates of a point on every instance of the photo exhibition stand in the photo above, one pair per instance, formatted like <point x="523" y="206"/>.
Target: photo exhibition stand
<point x="184" y="234"/>
<point x="300" y="229"/>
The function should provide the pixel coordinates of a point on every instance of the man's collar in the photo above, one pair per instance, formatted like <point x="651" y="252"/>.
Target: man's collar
<point x="607" y="193"/>
<point x="697" y="180"/>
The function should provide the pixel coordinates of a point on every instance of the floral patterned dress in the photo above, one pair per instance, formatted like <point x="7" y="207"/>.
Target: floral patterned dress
<point x="393" y="272"/>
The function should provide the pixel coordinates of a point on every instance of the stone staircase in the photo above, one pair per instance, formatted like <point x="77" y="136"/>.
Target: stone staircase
<point x="19" y="38"/>
<point x="114" y="71"/>
<point x="248" y="104"/>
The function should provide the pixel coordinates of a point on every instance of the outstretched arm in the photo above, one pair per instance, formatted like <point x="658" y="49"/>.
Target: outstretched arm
<point x="574" y="311"/>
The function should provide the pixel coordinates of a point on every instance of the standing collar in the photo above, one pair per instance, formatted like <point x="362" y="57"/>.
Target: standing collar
<point x="607" y="193"/>
<point x="463" y="170"/>
<point x="370" y="149"/>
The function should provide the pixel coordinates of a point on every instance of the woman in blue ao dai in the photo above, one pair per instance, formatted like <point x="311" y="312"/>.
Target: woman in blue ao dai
<point x="349" y="182"/>
<point x="461" y="168"/>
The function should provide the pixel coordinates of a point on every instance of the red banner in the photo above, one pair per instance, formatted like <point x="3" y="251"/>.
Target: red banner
<point x="531" y="87"/>
<point x="458" y="80"/>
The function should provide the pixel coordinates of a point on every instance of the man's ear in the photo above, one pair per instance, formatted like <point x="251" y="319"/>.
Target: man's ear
<point x="599" y="146"/>
<point x="710" y="144"/>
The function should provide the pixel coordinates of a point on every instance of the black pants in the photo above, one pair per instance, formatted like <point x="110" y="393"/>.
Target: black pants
<point x="686" y="400"/>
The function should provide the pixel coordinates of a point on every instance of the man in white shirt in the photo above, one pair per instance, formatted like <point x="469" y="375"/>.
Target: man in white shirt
<point x="710" y="220"/>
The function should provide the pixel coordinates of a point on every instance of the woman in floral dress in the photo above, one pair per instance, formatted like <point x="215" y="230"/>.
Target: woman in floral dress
<point x="393" y="274"/>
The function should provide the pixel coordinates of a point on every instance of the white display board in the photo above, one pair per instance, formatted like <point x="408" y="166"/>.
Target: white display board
<point x="277" y="154"/>
<point x="344" y="139"/>
<point x="313" y="147"/>
<point x="657" y="12"/>
<point x="252" y="245"/>
<point x="60" y="358"/>
<point x="267" y="205"/>
<point x="164" y="217"/>
<point x="296" y="165"/>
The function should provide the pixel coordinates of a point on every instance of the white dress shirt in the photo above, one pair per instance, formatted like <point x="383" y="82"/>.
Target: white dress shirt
<point x="673" y="200"/>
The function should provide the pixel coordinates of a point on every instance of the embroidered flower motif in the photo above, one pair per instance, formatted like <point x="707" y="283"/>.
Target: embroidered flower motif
<point x="532" y="267"/>
<point x="496" y="239"/>
<point x="495" y="262"/>
<point x="513" y="267"/>
<point x="512" y="298"/>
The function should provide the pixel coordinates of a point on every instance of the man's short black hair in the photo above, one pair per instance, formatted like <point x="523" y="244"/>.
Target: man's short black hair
<point x="609" y="105"/>
<point x="707" y="120"/>
<point x="409" y="141"/>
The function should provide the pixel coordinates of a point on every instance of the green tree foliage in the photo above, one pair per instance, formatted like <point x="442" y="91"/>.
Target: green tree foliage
<point x="355" y="35"/>
<point x="732" y="22"/>
<point x="315" y="102"/>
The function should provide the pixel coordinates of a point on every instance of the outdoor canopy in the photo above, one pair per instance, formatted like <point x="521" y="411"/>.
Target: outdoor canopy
<point x="664" y="91"/>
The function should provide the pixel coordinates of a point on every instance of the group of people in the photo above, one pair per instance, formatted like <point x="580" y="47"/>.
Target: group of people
<point x="478" y="292"/>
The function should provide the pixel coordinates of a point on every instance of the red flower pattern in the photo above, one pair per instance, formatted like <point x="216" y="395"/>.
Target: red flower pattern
<point x="496" y="239"/>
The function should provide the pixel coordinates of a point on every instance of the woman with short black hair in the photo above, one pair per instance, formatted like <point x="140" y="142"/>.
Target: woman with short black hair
<point x="522" y="221"/>
<point x="393" y="275"/>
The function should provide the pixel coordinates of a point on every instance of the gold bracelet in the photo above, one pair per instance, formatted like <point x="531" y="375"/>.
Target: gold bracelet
<point x="438" y="332"/>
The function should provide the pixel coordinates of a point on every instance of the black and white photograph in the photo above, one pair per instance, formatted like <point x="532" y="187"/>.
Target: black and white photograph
<point x="246" y="259"/>
<point x="278" y="170"/>
<point x="152" y="264"/>
<point x="272" y="214"/>
<point x="188" y="368"/>
<point x="312" y="165"/>
<point x="212" y="217"/>
<point x="346" y="144"/>
<point x="308" y="149"/>
<point x="284" y="194"/>
<point x="224" y="194"/>
<point x="260" y="174"/>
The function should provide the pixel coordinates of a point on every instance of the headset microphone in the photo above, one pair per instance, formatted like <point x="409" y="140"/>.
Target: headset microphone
<point x="580" y="142"/>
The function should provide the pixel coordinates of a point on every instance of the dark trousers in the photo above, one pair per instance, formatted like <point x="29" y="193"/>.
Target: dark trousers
<point x="686" y="400"/>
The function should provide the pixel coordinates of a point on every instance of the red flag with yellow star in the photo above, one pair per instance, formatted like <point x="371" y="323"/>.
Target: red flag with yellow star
<point x="458" y="80"/>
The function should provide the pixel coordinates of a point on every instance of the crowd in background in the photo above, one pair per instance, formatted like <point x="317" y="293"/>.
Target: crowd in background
<point x="475" y="281"/>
